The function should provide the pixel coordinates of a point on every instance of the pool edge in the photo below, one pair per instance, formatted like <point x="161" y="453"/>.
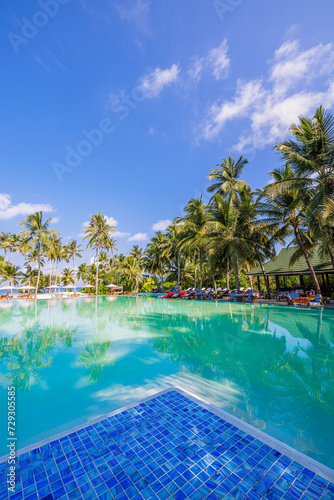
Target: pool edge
<point x="281" y="447"/>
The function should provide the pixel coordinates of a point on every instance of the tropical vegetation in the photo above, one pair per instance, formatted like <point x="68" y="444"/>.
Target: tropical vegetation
<point x="216" y="241"/>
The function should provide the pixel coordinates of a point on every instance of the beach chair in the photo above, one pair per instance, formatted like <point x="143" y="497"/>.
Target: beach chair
<point x="316" y="302"/>
<point x="292" y="298"/>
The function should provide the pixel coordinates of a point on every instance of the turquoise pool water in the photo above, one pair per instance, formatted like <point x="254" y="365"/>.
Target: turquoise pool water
<point x="74" y="359"/>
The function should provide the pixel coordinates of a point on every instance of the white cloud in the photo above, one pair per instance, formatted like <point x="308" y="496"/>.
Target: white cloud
<point x="138" y="237"/>
<point x="161" y="225"/>
<point x="246" y="97"/>
<point x="220" y="61"/>
<point x="55" y="220"/>
<point x="197" y="68"/>
<point x="155" y="82"/>
<point x="151" y="130"/>
<point x="271" y="104"/>
<point x="119" y="234"/>
<point x="8" y="211"/>
<point x="111" y="221"/>
<point x="137" y="13"/>
<point x="216" y="62"/>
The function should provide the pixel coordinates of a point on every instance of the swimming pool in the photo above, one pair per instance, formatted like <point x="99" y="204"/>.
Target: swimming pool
<point x="75" y="359"/>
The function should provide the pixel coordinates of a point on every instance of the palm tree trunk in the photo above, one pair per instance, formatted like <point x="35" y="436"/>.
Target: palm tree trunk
<point x="250" y="278"/>
<point x="50" y="273"/>
<point x="228" y="273"/>
<point x="195" y="281"/>
<point x="236" y="274"/>
<point x="39" y="267"/>
<point x="97" y="269"/>
<point x="74" y="271"/>
<point x="214" y="283"/>
<point x="308" y="260"/>
<point x="178" y="271"/>
<point x="162" y="278"/>
<point x="331" y="253"/>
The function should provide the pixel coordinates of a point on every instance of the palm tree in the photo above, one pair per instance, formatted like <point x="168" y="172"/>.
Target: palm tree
<point x="154" y="261"/>
<point x="73" y="251"/>
<point x="232" y="229"/>
<point x="5" y="242"/>
<point x="227" y="178"/>
<point x="67" y="276"/>
<point x="132" y="269"/>
<point x="13" y="245"/>
<point x="284" y="209"/>
<point x="193" y="235"/>
<point x="172" y="250"/>
<point x="10" y="273"/>
<point x="310" y="157"/>
<point x="51" y="251"/>
<point x="98" y="235"/>
<point x="28" y="275"/>
<point x="36" y="232"/>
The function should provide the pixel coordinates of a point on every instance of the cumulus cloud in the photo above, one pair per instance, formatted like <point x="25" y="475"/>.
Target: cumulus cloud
<point x="272" y="103"/>
<point x="9" y="211"/>
<point x="55" y="220"/>
<point x="154" y="82"/>
<point x="138" y="237"/>
<point x="161" y="225"/>
<point x="111" y="221"/>
<point x="216" y="62"/>
<point x="119" y="234"/>
<point x="219" y="61"/>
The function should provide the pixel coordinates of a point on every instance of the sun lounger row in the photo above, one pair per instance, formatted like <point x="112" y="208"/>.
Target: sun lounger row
<point x="248" y="295"/>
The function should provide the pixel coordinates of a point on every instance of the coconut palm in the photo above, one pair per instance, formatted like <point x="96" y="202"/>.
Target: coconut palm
<point x="28" y="275"/>
<point x="193" y="235"/>
<point x="13" y="245"/>
<point x="285" y="210"/>
<point x="133" y="271"/>
<point x="310" y="156"/>
<point x="98" y="235"/>
<point x="5" y="239"/>
<point x="226" y="179"/>
<point x="37" y="233"/>
<point x="232" y="229"/>
<point x="73" y="251"/>
<point x="10" y="273"/>
<point x="67" y="276"/>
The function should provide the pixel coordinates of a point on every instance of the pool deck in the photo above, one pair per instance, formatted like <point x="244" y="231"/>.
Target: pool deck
<point x="171" y="445"/>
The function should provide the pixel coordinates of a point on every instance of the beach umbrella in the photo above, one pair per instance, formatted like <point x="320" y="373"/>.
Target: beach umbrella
<point x="88" y="286"/>
<point x="112" y="286"/>
<point x="69" y="286"/>
<point x="9" y="287"/>
<point x="28" y="287"/>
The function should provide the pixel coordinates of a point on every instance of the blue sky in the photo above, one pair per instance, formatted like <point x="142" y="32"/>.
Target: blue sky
<point x="124" y="107"/>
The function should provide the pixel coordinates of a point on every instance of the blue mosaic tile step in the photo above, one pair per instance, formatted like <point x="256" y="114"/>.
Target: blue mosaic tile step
<point x="168" y="447"/>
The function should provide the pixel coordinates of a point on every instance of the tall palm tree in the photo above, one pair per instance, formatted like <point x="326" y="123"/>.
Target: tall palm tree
<point x="73" y="251"/>
<point x="310" y="156"/>
<point x="5" y="243"/>
<point x="98" y="234"/>
<point x="227" y="178"/>
<point x="10" y="273"/>
<point x="67" y="276"/>
<point x="172" y="250"/>
<point x="232" y="229"/>
<point x="193" y="231"/>
<point x="13" y="245"/>
<point x="36" y="232"/>
<point x="28" y="275"/>
<point x="132" y="269"/>
<point x="285" y="210"/>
